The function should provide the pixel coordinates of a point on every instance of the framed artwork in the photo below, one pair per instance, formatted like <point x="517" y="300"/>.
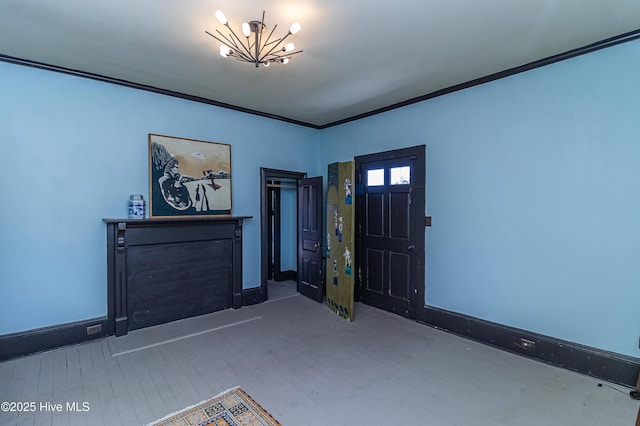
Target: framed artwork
<point x="188" y="177"/>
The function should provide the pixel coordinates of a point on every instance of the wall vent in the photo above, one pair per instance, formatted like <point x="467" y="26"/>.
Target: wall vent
<point x="94" y="329"/>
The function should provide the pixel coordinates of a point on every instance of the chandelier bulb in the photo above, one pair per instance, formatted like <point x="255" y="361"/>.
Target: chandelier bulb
<point x="284" y="60"/>
<point x="225" y="51"/>
<point x="266" y="64"/>
<point x="295" y="28"/>
<point x="246" y="29"/>
<point x="289" y="47"/>
<point x="221" y="18"/>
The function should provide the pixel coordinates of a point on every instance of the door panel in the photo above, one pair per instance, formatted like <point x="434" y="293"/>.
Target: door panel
<point x="398" y="215"/>
<point x="390" y="270"/>
<point x="309" y="245"/>
<point x="399" y="275"/>
<point x="309" y="238"/>
<point x="375" y="270"/>
<point x="375" y="214"/>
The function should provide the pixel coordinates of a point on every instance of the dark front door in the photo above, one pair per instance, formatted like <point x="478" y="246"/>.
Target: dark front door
<point x="391" y="229"/>
<point x="310" y="238"/>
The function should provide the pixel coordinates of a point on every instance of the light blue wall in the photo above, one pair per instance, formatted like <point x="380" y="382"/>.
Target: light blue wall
<point x="288" y="231"/>
<point x="533" y="183"/>
<point x="72" y="151"/>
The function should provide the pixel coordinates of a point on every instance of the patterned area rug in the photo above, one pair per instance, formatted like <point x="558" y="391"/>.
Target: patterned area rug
<point x="233" y="407"/>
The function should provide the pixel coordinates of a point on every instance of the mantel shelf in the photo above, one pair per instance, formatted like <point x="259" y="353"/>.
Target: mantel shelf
<point x="198" y="219"/>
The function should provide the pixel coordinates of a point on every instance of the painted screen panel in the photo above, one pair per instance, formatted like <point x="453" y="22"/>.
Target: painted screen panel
<point x="340" y="242"/>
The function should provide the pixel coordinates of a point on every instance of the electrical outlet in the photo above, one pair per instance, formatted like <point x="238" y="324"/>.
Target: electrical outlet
<point x="527" y="344"/>
<point x="94" y="329"/>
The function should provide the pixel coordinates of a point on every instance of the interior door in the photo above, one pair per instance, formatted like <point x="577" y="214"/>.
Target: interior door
<point x="274" y="233"/>
<point x="391" y="242"/>
<point x="310" y="238"/>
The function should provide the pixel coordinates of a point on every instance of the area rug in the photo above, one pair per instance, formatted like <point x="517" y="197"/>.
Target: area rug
<point x="233" y="407"/>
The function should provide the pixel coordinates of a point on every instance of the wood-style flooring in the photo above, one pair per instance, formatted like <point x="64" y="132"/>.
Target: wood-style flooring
<point x="307" y="367"/>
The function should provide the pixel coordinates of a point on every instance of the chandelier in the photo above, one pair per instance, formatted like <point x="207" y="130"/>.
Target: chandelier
<point x="256" y="47"/>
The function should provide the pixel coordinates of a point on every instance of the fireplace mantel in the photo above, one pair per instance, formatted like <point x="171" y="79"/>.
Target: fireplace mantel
<point x="161" y="270"/>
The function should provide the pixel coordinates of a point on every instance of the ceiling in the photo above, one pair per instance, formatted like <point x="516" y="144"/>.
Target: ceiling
<point x="359" y="55"/>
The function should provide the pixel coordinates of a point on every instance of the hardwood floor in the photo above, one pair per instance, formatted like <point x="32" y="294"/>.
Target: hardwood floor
<point x="306" y="366"/>
<point x="279" y="289"/>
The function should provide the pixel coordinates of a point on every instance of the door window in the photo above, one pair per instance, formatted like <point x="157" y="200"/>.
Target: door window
<point x="401" y="175"/>
<point x="375" y="177"/>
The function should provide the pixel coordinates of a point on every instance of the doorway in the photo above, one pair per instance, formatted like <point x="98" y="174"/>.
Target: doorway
<point x="278" y="222"/>
<point x="281" y="205"/>
<point x="390" y="245"/>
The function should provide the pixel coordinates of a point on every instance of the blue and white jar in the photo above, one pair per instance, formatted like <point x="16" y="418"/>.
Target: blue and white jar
<point x="137" y="208"/>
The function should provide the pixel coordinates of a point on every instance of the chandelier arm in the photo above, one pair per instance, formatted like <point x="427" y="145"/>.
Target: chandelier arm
<point x="266" y="43"/>
<point x="221" y="41"/>
<point x="237" y="52"/>
<point x="227" y="41"/>
<point x="276" y="46"/>
<point x="285" y="55"/>
<point x="249" y="44"/>
<point x="240" y="42"/>
<point x="275" y="57"/>
<point x="278" y="40"/>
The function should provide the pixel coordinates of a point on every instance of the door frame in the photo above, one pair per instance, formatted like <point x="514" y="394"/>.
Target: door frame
<point x="267" y="174"/>
<point x="417" y="226"/>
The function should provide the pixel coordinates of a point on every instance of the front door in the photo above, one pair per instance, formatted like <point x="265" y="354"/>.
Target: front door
<point x="310" y="238"/>
<point x="391" y="229"/>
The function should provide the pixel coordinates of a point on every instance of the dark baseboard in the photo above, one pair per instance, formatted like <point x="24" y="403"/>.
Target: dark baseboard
<point x="25" y="343"/>
<point x="286" y="276"/>
<point x="251" y="296"/>
<point x="604" y="365"/>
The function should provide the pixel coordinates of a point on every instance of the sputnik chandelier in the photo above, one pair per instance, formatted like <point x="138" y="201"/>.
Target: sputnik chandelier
<point x="256" y="47"/>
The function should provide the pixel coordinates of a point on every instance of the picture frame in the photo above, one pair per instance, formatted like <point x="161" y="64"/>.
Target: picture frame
<point x="188" y="177"/>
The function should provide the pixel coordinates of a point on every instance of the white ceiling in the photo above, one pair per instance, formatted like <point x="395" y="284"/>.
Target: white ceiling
<point x="358" y="55"/>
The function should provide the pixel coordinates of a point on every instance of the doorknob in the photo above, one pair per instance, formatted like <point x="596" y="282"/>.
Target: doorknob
<point x="317" y="247"/>
<point x="411" y="247"/>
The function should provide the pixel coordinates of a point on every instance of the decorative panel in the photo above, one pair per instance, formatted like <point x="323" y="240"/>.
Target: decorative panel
<point x="340" y="244"/>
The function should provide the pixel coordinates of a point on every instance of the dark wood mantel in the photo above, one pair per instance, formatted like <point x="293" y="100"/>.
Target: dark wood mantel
<point x="161" y="270"/>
